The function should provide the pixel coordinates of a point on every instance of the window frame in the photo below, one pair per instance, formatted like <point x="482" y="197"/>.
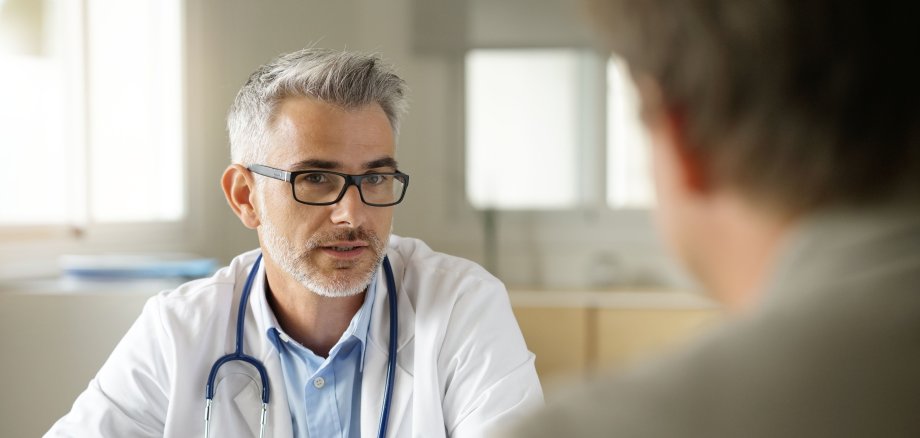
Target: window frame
<point x="519" y="245"/>
<point x="32" y="250"/>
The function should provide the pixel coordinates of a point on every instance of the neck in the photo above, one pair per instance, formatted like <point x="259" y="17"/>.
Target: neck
<point x="315" y="321"/>
<point x="740" y="260"/>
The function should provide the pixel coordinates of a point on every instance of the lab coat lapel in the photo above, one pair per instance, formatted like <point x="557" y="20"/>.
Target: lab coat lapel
<point x="248" y="404"/>
<point x="376" y="360"/>
<point x="279" y="412"/>
<point x="237" y="402"/>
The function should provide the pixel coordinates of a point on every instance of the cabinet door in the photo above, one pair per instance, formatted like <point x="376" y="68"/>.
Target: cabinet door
<point x="625" y="336"/>
<point x="558" y="336"/>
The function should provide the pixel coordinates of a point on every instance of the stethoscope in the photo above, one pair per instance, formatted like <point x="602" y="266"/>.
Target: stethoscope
<point x="263" y="374"/>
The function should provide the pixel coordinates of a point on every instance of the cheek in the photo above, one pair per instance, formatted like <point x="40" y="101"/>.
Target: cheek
<point x="382" y="223"/>
<point x="291" y="219"/>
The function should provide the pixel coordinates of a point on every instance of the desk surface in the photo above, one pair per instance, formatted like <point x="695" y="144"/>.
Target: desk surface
<point x="70" y="286"/>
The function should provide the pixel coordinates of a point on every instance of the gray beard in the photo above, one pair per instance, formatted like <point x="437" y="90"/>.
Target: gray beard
<point x="295" y="261"/>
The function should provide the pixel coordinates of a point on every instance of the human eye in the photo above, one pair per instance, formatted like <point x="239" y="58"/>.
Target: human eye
<point x="315" y="178"/>
<point x="375" y="179"/>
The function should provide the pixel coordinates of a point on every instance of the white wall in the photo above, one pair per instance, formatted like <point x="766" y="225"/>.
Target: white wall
<point x="228" y="39"/>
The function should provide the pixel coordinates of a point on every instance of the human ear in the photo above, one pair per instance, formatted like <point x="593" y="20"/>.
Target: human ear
<point x="239" y="186"/>
<point x="667" y="123"/>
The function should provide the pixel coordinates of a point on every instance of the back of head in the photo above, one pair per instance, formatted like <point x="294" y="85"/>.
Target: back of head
<point x="799" y="105"/>
<point x="346" y="79"/>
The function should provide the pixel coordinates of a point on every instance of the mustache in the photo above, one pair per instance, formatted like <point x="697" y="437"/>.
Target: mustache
<point x="360" y="233"/>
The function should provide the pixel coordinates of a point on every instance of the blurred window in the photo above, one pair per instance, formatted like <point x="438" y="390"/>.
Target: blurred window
<point x="532" y="132"/>
<point x="91" y="112"/>
<point x="629" y="184"/>
<point x="522" y="136"/>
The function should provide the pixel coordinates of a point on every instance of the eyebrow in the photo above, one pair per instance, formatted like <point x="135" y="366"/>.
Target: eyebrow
<point x="331" y="165"/>
<point x="315" y="164"/>
<point x="381" y="162"/>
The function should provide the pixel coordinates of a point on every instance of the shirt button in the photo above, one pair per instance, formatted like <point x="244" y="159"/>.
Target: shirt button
<point x="319" y="383"/>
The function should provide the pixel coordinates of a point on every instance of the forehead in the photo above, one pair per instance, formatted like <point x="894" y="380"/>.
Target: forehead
<point x="304" y="128"/>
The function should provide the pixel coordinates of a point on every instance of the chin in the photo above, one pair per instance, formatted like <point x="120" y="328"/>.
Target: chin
<point x="336" y="281"/>
<point x="338" y="288"/>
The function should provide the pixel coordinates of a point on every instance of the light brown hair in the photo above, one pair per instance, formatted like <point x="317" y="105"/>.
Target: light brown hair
<point x="799" y="104"/>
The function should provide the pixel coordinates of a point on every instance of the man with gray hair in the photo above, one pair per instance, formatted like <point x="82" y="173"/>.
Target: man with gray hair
<point x="333" y="327"/>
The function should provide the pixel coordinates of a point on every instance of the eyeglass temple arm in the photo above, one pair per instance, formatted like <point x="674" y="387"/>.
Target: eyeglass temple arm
<point x="271" y="172"/>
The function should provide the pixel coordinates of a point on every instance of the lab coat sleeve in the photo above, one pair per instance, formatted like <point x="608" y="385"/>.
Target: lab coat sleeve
<point x="129" y="395"/>
<point x="492" y="379"/>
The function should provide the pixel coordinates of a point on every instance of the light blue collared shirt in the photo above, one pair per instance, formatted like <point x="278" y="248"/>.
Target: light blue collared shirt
<point x="324" y="394"/>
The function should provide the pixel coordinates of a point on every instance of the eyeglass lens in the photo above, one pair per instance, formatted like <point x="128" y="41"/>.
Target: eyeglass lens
<point x="325" y="187"/>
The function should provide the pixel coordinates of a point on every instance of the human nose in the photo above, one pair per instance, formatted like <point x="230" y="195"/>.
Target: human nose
<point x="349" y="209"/>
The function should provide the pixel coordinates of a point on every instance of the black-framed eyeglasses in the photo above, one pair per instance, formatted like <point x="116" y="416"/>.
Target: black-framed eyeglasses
<point x="324" y="187"/>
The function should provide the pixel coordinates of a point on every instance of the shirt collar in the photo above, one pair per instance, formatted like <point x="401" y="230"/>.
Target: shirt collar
<point x="357" y="328"/>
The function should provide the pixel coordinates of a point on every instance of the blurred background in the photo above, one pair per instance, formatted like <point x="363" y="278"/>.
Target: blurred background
<point x="522" y="140"/>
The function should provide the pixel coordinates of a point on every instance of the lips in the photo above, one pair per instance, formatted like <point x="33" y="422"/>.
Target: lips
<point x="344" y="250"/>
<point x="345" y="246"/>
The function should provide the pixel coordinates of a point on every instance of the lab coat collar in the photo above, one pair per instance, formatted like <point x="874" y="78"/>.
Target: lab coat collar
<point x="379" y="315"/>
<point x="375" y="351"/>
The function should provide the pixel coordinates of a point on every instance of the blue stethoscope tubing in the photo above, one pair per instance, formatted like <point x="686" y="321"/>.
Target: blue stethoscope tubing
<point x="239" y="355"/>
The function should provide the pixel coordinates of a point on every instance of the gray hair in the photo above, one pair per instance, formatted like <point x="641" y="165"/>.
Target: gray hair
<point x="349" y="80"/>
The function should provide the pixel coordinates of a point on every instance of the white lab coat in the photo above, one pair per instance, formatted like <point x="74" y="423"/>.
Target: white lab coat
<point x="463" y="367"/>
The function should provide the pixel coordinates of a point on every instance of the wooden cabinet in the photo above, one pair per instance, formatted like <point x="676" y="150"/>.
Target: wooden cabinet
<point x="579" y="332"/>
<point x="558" y="336"/>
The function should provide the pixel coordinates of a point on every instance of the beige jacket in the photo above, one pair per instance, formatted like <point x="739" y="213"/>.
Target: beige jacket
<point x="833" y="351"/>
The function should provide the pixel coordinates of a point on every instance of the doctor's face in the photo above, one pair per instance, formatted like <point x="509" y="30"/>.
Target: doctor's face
<point x="332" y="250"/>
